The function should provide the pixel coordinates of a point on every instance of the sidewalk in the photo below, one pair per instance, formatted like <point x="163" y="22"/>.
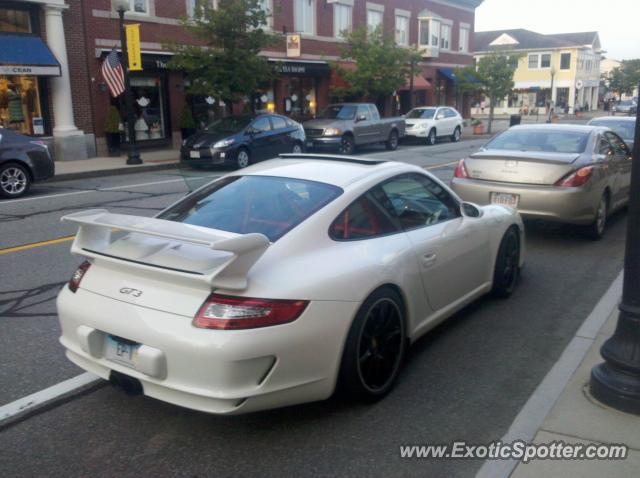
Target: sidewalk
<point x="108" y="166"/>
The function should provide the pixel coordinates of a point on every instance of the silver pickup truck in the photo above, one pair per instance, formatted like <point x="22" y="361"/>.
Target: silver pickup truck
<point x="344" y="126"/>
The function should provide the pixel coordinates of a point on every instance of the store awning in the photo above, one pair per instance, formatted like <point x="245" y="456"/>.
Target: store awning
<point x="26" y="55"/>
<point x="448" y="73"/>
<point x="419" y="83"/>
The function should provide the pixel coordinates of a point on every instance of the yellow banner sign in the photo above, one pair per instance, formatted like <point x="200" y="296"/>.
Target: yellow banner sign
<point x="133" y="46"/>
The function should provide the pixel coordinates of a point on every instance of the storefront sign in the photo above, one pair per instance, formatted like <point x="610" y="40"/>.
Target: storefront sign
<point x="133" y="46"/>
<point x="302" y="69"/>
<point x="29" y="70"/>
<point x="293" y="45"/>
<point x="38" y="125"/>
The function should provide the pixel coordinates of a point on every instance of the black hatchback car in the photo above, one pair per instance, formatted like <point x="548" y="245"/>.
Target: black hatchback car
<point x="241" y="140"/>
<point x="23" y="160"/>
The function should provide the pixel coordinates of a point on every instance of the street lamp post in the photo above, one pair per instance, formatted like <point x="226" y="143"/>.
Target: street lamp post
<point x="616" y="382"/>
<point x="551" y="102"/>
<point x="133" y="156"/>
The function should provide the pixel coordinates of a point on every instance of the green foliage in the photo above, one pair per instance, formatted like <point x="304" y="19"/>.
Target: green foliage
<point x="186" y="118"/>
<point x="494" y="73"/>
<point x="226" y="65"/>
<point x="112" y="125"/>
<point x="382" y="65"/>
<point x="625" y="78"/>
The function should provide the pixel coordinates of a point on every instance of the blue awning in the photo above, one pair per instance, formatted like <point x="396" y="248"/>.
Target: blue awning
<point x="26" y="55"/>
<point x="448" y="73"/>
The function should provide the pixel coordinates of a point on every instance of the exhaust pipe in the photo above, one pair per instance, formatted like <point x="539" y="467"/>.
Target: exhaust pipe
<point x="130" y="385"/>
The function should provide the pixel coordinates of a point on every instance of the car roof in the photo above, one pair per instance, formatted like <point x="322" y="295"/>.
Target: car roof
<point x="630" y="119"/>
<point x="583" y="128"/>
<point x="339" y="171"/>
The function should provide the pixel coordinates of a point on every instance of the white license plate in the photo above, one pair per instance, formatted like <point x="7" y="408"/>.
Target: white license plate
<point x="124" y="353"/>
<point x="194" y="154"/>
<point x="505" y="199"/>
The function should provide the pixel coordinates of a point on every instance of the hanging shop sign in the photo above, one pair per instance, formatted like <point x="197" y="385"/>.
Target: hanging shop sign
<point x="132" y="31"/>
<point x="293" y="45"/>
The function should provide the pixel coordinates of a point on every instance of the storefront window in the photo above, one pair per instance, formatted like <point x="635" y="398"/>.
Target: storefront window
<point x="149" y="107"/>
<point x="15" y="21"/>
<point x="20" y="105"/>
<point x="301" y="102"/>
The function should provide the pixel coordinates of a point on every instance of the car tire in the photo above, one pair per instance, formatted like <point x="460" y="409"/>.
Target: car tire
<point x="432" y="137"/>
<point x="297" y="149"/>
<point x="392" y="143"/>
<point x="595" y="230"/>
<point x="347" y="145"/>
<point x="15" y="180"/>
<point x="457" y="134"/>
<point x="375" y="348"/>
<point x="243" y="158"/>
<point x="507" y="268"/>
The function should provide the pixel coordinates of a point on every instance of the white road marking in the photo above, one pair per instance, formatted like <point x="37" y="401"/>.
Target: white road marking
<point x="43" y="396"/>
<point x="113" y="188"/>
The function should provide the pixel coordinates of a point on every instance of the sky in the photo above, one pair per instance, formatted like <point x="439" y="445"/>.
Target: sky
<point x="617" y="21"/>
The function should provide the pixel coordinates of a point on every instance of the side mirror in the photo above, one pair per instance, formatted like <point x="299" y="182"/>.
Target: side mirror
<point x="470" y="210"/>
<point x="360" y="118"/>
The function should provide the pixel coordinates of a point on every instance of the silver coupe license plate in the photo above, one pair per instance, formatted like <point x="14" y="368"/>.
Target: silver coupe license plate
<point x="194" y="154"/>
<point x="505" y="199"/>
<point x="124" y="353"/>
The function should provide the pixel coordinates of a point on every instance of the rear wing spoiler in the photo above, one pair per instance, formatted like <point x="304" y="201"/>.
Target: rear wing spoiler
<point x="232" y="255"/>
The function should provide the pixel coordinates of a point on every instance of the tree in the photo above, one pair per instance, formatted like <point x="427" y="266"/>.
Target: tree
<point x="382" y="66"/>
<point x="625" y="78"/>
<point x="495" y="76"/>
<point x="466" y="82"/>
<point x="226" y="65"/>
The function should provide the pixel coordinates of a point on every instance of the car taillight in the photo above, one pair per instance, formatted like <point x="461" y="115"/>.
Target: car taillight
<point x="232" y="313"/>
<point x="461" y="170"/>
<point x="77" y="276"/>
<point x="576" y="178"/>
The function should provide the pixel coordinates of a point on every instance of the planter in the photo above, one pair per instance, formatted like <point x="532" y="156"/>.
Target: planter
<point x="186" y="132"/>
<point x="113" y="143"/>
<point x="555" y="119"/>
<point x="478" y="129"/>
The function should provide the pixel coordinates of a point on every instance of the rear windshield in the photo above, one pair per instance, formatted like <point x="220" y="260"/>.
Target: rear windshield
<point x="245" y="204"/>
<point x="548" y="141"/>
<point x="426" y="113"/>
<point x="625" y="129"/>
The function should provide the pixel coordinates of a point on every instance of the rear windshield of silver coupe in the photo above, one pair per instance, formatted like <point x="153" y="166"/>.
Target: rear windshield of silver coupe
<point x="246" y="204"/>
<point x="539" y="140"/>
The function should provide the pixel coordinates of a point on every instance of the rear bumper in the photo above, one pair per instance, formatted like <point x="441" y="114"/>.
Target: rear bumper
<point x="215" y="371"/>
<point x="567" y="205"/>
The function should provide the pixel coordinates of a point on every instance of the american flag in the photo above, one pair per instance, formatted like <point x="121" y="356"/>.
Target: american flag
<point x="113" y="74"/>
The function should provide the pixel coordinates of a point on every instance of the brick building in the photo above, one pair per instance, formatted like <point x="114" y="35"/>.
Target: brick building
<point x="443" y="29"/>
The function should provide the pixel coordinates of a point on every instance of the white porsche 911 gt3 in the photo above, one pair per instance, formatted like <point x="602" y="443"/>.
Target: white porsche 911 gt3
<point x="276" y="284"/>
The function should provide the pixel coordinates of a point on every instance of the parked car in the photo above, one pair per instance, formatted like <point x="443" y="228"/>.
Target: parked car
<point x="268" y="287"/>
<point x="558" y="172"/>
<point x="626" y="107"/>
<point x="345" y="126"/>
<point x="431" y="122"/>
<point x="623" y="127"/>
<point x="23" y="160"/>
<point x="242" y="140"/>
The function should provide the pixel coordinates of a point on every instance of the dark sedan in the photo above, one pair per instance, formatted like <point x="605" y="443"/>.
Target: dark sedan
<point x="23" y="160"/>
<point x="242" y="140"/>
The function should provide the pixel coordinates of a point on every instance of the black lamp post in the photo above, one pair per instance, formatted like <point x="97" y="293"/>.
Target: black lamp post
<point x="616" y="382"/>
<point x="133" y="156"/>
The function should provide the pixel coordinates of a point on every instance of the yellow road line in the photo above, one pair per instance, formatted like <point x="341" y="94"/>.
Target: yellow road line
<point x="23" y="247"/>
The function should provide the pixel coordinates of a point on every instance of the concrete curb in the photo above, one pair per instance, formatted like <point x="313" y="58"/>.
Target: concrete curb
<point x="113" y="172"/>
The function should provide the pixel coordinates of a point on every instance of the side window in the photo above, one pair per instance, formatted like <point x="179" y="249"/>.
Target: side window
<point x="619" y="148"/>
<point x="364" y="110"/>
<point x="451" y="113"/>
<point x="367" y="217"/>
<point x="261" y="125"/>
<point x="278" y="122"/>
<point x="374" y="113"/>
<point x="441" y="114"/>
<point x="418" y="201"/>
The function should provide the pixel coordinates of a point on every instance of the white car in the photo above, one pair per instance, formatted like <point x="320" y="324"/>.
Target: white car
<point x="274" y="285"/>
<point x="432" y="122"/>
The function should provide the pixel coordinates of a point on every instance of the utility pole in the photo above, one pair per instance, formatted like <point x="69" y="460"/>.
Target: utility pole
<point x="551" y="102"/>
<point x="616" y="382"/>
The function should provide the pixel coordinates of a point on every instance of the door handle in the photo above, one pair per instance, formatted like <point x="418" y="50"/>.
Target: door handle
<point x="429" y="259"/>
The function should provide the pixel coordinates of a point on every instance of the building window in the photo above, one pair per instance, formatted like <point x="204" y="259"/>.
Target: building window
<point x="402" y="30"/>
<point x="565" y="61"/>
<point x="139" y="6"/>
<point x="424" y="32"/>
<point x="545" y="60"/>
<point x="341" y="19"/>
<point x="445" y="36"/>
<point x="15" y="21"/>
<point x="374" y="16"/>
<point x="464" y="39"/>
<point x="20" y="108"/>
<point x="435" y="32"/>
<point x="305" y="16"/>
<point x="149" y="108"/>
<point x="533" y="61"/>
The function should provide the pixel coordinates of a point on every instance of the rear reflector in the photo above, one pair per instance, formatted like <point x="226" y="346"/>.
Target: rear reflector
<point x="461" y="170"/>
<point x="576" y="178"/>
<point x="77" y="276"/>
<point x="233" y="313"/>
